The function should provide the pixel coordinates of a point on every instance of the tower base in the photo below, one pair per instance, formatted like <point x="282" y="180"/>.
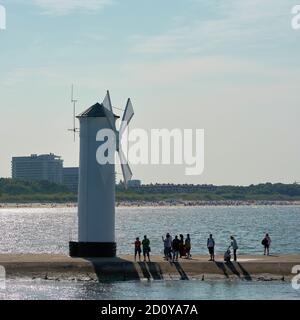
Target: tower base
<point x="92" y="249"/>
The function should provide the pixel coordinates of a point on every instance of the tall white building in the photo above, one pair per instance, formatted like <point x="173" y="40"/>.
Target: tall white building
<point x="38" y="167"/>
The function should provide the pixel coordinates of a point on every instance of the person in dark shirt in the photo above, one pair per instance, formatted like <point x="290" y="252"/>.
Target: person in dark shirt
<point x="188" y="246"/>
<point x="266" y="243"/>
<point x="181" y="246"/>
<point x="146" y="248"/>
<point x="137" y="248"/>
<point x="175" y="247"/>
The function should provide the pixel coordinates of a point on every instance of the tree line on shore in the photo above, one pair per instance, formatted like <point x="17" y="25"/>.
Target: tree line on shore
<point x="13" y="190"/>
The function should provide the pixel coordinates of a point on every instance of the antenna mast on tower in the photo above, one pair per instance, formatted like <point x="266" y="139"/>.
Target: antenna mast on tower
<point x="74" y="101"/>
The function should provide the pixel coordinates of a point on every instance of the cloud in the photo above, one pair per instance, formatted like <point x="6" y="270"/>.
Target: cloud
<point x="247" y="24"/>
<point x="62" y="7"/>
<point x="207" y="70"/>
<point x="166" y="73"/>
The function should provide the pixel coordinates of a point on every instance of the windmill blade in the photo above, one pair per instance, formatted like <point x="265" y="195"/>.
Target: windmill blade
<point x="127" y="116"/>
<point x="107" y="102"/>
<point x="111" y="119"/>
<point x="109" y="111"/>
<point x="127" y="173"/>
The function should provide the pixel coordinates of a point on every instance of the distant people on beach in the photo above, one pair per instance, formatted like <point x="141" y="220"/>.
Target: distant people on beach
<point x="188" y="246"/>
<point x="137" y="248"/>
<point x="172" y="248"/>
<point x="266" y="242"/>
<point x="175" y="248"/>
<point x="211" y="247"/>
<point x="146" y="248"/>
<point x="167" y="246"/>
<point x="180" y="247"/>
<point x="234" y="247"/>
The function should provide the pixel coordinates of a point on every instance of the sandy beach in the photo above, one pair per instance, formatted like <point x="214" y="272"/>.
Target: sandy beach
<point x="172" y="203"/>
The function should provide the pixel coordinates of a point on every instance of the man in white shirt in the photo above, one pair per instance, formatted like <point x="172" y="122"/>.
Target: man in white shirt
<point x="167" y="246"/>
<point x="211" y="247"/>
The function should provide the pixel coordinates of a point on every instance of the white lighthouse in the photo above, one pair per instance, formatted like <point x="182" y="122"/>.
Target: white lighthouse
<point x="96" y="199"/>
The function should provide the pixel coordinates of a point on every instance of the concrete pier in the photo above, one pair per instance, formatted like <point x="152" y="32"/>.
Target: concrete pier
<point x="123" y="268"/>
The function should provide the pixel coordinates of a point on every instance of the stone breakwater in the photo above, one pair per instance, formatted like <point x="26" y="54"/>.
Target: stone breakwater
<point x="123" y="268"/>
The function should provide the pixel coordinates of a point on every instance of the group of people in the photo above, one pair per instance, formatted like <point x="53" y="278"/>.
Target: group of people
<point x="180" y="247"/>
<point x="173" y="248"/>
<point x="227" y="256"/>
<point x="266" y="242"/>
<point x="138" y="245"/>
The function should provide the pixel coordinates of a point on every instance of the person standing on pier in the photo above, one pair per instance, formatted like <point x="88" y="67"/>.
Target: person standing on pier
<point x="137" y="248"/>
<point x="211" y="247"/>
<point x="167" y="246"/>
<point x="181" y="246"/>
<point x="188" y="246"/>
<point x="175" y="248"/>
<point x="146" y="248"/>
<point x="234" y="247"/>
<point x="266" y="242"/>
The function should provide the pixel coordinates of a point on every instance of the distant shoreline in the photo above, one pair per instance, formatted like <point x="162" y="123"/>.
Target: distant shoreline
<point x="179" y="203"/>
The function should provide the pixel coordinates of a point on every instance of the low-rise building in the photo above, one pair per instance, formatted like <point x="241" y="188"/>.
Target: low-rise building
<point x="134" y="183"/>
<point x="71" y="178"/>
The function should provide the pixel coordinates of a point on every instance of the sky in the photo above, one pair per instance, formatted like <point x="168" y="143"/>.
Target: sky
<point x="229" y="67"/>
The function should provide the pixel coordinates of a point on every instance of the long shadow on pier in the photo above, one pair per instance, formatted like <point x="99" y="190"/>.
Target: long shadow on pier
<point x="183" y="275"/>
<point x="246" y="274"/>
<point x="229" y="266"/>
<point x="221" y="265"/>
<point x="117" y="269"/>
<point x="151" y="270"/>
<point x="113" y="269"/>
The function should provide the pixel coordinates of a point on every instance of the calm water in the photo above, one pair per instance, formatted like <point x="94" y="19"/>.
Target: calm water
<point x="49" y="230"/>
<point x="198" y="290"/>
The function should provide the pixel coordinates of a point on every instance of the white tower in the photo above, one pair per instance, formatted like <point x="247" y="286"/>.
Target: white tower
<point x="96" y="199"/>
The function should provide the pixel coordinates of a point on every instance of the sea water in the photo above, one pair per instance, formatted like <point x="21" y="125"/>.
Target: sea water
<point x="149" y="290"/>
<point x="48" y="230"/>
